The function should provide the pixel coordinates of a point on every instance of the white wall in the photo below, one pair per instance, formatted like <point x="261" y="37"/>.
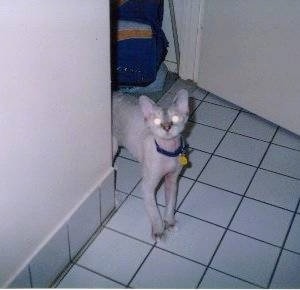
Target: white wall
<point x="54" y="118"/>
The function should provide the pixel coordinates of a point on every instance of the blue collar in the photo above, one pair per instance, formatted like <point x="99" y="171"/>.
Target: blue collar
<point x="180" y="150"/>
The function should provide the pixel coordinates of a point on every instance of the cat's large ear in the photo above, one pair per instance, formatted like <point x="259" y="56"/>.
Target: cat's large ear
<point x="181" y="101"/>
<point x="147" y="106"/>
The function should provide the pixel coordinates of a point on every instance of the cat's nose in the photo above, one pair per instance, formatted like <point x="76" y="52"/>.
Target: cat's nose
<point x="166" y="126"/>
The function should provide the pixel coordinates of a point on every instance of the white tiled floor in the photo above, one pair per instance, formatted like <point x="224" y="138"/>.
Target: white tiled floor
<point x="238" y="215"/>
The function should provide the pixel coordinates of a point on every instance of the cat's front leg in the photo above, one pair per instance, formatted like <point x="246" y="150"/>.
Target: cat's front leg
<point x="171" y="184"/>
<point x="157" y="225"/>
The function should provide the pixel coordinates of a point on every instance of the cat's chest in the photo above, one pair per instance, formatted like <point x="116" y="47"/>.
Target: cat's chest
<point x="156" y="161"/>
<point x="164" y="164"/>
<point x="168" y="164"/>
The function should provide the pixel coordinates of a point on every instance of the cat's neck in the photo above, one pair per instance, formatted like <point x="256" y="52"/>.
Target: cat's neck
<point x="168" y="144"/>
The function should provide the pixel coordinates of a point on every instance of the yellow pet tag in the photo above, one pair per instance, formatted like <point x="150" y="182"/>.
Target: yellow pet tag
<point x="183" y="160"/>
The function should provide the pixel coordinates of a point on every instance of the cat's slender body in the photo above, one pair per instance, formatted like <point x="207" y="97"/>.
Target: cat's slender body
<point x="137" y="125"/>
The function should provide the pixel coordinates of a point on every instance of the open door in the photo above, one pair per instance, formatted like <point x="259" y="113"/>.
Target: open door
<point x="250" y="55"/>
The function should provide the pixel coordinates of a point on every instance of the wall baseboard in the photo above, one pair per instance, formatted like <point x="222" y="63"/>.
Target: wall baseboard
<point x="64" y="245"/>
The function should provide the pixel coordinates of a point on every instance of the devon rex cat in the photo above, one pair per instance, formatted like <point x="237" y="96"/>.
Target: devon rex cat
<point x="152" y="135"/>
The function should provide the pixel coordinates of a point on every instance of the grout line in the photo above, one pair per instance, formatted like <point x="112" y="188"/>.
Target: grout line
<point x="283" y="244"/>
<point x="236" y="210"/>
<point x="279" y="173"/>
<point x="99" y="274"/>
<point x="291" y="251"/>
<point x="234" y="160"/>
<point x="241" y="279"/>
<point x="196" y="108"/>
<point x="141" y="265"/>
<point x="206" y="125"/>
<point x="127" y="158"/>
<point x="287" y="147"/>
<point x="69" y="244"/>
<point x="223" y="106"/>
<point x="180" y="256"/>
<point x="62" y="275"/>
<point x="30" y="276"/>
<point x="99" y="195"/>
<point x="129" y="236"/>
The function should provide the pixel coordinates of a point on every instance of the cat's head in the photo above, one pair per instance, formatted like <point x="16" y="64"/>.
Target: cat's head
<point x="166" y="123"/>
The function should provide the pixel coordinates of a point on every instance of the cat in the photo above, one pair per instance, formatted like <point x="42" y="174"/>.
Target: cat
<point x="150" y="133"/>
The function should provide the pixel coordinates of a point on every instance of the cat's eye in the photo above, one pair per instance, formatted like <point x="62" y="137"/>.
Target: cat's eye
<point x="175" y="119"/>
<point x="157" y="121"/>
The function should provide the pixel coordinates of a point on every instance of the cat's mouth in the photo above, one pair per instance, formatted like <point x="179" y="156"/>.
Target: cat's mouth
<point x="167" y="126"/>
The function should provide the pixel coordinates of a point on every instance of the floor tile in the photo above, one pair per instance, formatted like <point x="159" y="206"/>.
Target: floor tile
<point x="286" y="138"/>
<point x="119" y="198"/>
<point x="181" y="84"/>
<point x="193" y="239"/>
<point x="282" y="160"/>
<point x="217" y="280"/>
<point x="275" y="189"/>
<point x="287" y="272"/>
<point x="262" y="221"/>
<point x="219" y="101"/>
<point x="242" y="149"/>
<point x="211" y="204"/>
<point x="165" y="270"/>
<point x="214" y="115"/>
<point x="253" y="126"/>
<point x="115" y="256"/>
<point x="198" y="94"/>
<point x="128" y="174"/>
<point x="125" y="153"/>
<point x="131" y="219"/>
<point x="193" y="104"/>
<point x="246" y="258"/>
<point x="184" y="185"/>
<point x="79" y="277"/>
<point x="202" y="137"/>
<point x="227" y="174"/>
<point x="293" y="240"/>
<point x="197" y="161"/>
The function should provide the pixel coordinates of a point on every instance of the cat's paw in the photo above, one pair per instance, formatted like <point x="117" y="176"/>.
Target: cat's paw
<point x="158" y="233"/>
<point x="171" y="226"/>
<point x="157" y="237"/>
